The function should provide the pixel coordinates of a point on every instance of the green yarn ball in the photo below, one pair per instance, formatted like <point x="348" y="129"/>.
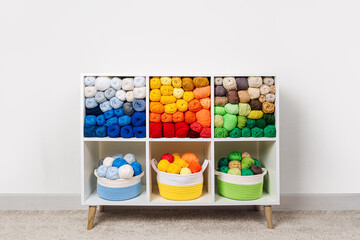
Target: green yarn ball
<point x="257" y="162"/>
<point x="270" y="131"/>
<point x="218" y="120"/>
<point x="246" y="132"/>
<point x="234" y="171"/>
<point x="246" y="172"/>
<point x="247" y="163"/>
<point x="244" y="109"/>
<point x="232" y="108"/>
<point x="235" y="155"/>
<point x="261" y="123"/>
<point x="250" y="123"/>
<point x="269" y="118"/>
<point x="223" y="162"/>
<point x="241" y="122"/>
<point x="257" y="132"/>
<point x="230" y="122"/>
<point x="219" y="110"/>
<point x="224" y="169"/>
<point x="236" y="133"/>
<point x="220" y="132"/>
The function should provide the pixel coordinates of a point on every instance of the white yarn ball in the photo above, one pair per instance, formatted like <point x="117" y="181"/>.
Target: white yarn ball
<point x="139" y="82"/>
<point x="129" y="96"/>
<point x="90" y="91"/>
<point x="254" y="93"/>
<point x="102" y="83"/>
<point x="116" y="83"/>
<point x="108" y="161"/>
<point x="130" y="158"/>
<point x="126" y="171"/>
<point x="270" y="97"/>
<point x="264" y="89"/>
<point x="268" y="81"/>
<point x="254" y="81"/>
<point x="218" y="81"/>
<point x="139" y="92"/>
<point x="121" y="94"/>
<point x="128" y="84"/>
<point x="89" y="81"/>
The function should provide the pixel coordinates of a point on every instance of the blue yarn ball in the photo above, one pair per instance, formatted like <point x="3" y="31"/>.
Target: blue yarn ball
<point x="137" y="168"/>
<point x="130" y="158"/>
<point x="119" y="162"/>
<point x="102" y="170"/>
<point x="112" y="173"/>
<point x="118" y="156"/>
<point x="101" y="162"/>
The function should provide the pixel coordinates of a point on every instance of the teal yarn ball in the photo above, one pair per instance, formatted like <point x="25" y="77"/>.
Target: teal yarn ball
<point x="241" y="122"/>
<point x="257" y="132"/>
<point x="246" y="132"/>
<point x="257" y="162"/>
<point x="270" y="131"/>
<point x="269" y="118"/>
<point x="224" y="169"/>
<point x="261" y="123"/>
<point x="223" y="162"/>
<point x="250" y="123"/>
<point x="230" y="121"/>
<point x="235" y="155"/>
<point x="236" y="133"/>
<point x="246" y="172"/>
<point x="220" y="132"/>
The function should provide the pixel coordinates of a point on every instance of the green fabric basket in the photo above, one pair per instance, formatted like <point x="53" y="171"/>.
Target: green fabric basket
<point x="240" y="192"/>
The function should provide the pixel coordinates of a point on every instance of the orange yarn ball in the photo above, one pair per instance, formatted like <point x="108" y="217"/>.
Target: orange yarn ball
<point x="156" y="107"/>
<point x="195" y="167"/>
<point x="190" y="157"/>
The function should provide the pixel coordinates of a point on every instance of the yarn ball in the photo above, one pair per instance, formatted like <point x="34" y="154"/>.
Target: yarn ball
<point x="246" y="132"/>
<point x="108" y="161"/>
<point x="254" y="93"/>
<point x="169" y="130"/>
<point x="168" y="157"/>
<point x="128" y="109"/>
<point x="241" y="83"/>
<point x="181" y="162"/>
<point x="137" y="168"/>
<point x="205" y="132"/>
<point x="205" y="103"/>
<point x="229" y="83"/>
<point x="268" y="81"/>
<point x="185" y="171"/>
<point x="200" y="81"/>
<point x="235" y="155"/>
<point x="127" y="84"/>
<point x="220" y="101"/>
<point x="255" y="104"/>
<point x="89" y="81"/>
<point x="194" y="105"/>
<point x="155" y="95"/>
<point x="219" y="110"/>
<point x="250" y="123"/>
<point x="262" y="98"/>
<point x="204" y="117"/>
<point x="235" y="133"/>
<point x="270" y="118"/>
<point x="257" y="162"/>
<point x="112" y="173"/>
<point x="139" y="81"/>
<point x="196" y="126"/>
<point x="170" y="108"/>
<point x="167" y="99"/>
<point x="230" y="121"/>
<point x="234" y="164"/>
<point x="247" y="163"/>
<point x="163" y="165"/>
<point x="272" y="89"/>
<point x="256" y="170"/>
<point x="241" y="122"/>
<point x="257" y="132"/>
<point x="178" y="117"/>
<point x="254" y="82"/>
<point x="181" y="105"/>
<point x="202" y="92"/>
<point x="234" y="171"/>
<point x="139" y="105"/>
<point x="220" y="132"/>
<point x="261" y="123"/>
<point x="220" y="91"/>
<point x="173" y="168"/>
<point x="264" y="89"/>
<point x="270" y="97"/>
<point x="244" y="96"/>
<point x="90" y="91"/>
<point x="223" y="162"/>
<point x="187" y="84"/>
<point x="155" y="83"/>
<point x="194" y="167"/>
<point x="193" y="134"/>
<point x="188" y="96"/>
<point x="224" y="169"/>
<point x="245" y="155"/>
<point x="218" y="81"/>
<point x="165" y="81"/>
<point x="256" y="114"/>
<point x="101" y="171"/>
<point x="102" y="83"/>
<point x="176" y="155"/>
<point x="232" y="108"/>
<point x="270" y="131"/>
<point x="166" y="90"/>
<point x="121" y="95"/>
<point x="101" y="161"/>
<point x="190" y="157"/>
<point x="109" y="93"/>
<point x="130" y="158"/>
<point x="118" y="156"/>
<point x="218" y="120"/>
<point x="181" y="130"/>
<point x="244" y="109"/>
<point x="118" y="162"/>
<point x="139" y="92"/>
<point x="176" y="82"/>
<point x="178" y="92"/>
<point x="156" y="107"/>
<point x="268" y="107"/>
<point x="246" y="172"/>
<point x="126" y="171"/>
<point x="155" y="129"/>
<point x="233" y="97"/>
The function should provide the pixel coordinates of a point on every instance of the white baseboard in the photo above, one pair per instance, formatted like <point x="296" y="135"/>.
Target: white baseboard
<point x="72" y="202"/>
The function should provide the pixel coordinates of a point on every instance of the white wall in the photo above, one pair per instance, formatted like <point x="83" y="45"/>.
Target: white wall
<point x="313" y="46"/>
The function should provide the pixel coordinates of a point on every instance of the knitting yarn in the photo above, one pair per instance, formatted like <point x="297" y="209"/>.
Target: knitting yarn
<point x="241" y="122"/>
<point x="181" y="162"/>
<point x="168" y="157"/>
<point x="155" y="83"/>
<point x="218" y="81"/>
<point x="195" y="167"/>
<point x="204" y="117"/>
<point x="202" y="92"/>
<point x="246" y="132"/>
<point x="138" y="119"/>
<point x="257" y="162"/>
<point x="127" y="84"/>
<point x="90" y="120"/>
<point x="102" y="83"/>
<point x="109" y="93"/>
<point x="90" y="103"/>
<point x="188" y="96"/>
<point x="256" y="170"/>
<point x="89" y="131"/>
<point x="129" y="96"/>
<point x="167" y="99"/>
<point x="268" y="81"/>
<point x="108" y="161"/>
<point x="163" y="165"/>
<point x="256" y="114"/>
<point x="105" y="106"/>
<point x="241" y="83"/>
<point x="113" y="131"/>
<point x="230" y="122"/>
<point x="205" y="133"/>
<point x="194" y="105"/>
<point x="220" y="91"/>
<point x="201" y="82"/>
<point x="255" y="104"/>
<point x="166" y="90"/>
<point x="190" y="117"/>
<point x="247" y="163"/>
<point x="232" y="108"/>
<point x="108" y="114"/>
<point x="244" y="109"/>
<point x="221" y="101"/>
<point x="176" y="82"/>
<point x="272" y="89"/>
<point x="181" y="105"/>
<point x="190" y="157"/>
<point x="234" y="164"/>
<point x="116" y="103"/>
<point x="170" y="108"/>
<point x="245" y="155"/>
<point x="181" y="130"/>
<point x="139" y="81"/>
<point x="119" y="155"/>
<point x="128" y="109"/>
<point x="257" y="132"/>
<point x="220" y="132"/>
<point x="166" y="117"/>
<point x="224" y="169"/>
<point x="100" y="120"/>
<point x="112" y="173"/>
<point x="205" y="103"/>
<point x="124" y="120"/>
<point x="176" y="155"/>
<point x="173" y="168"/>
<point x="270" y="97"/>
<point x="119" y="112"/>
<point x="185" y="171"/>
<point x="101" y="131"/>
<point x="156" y="107"/>
<point x="127" y="131"/>
<point x="261" y="123"/>
<point x="262" y="98"/>
<point x="244" y="96"/>
<point x="264" y="89"/>
<point x="178" y="117"/>
<point x="254" y="93"/>
<point x="94" y="111"/>
<point x="100" y="97"/>
<point x="223" y="162"/>
<point x="250" y="123"/>
<point x="270" y="131"/>
<point x="195" y="126"/>
<point x="168" y="130"/>
<point x="89" y="81"/>
<point x="254" y="82"/>
<point x="178" y="92"/>
<point x="270" y="118"/>
<point x="234" y="171"/>
<point x="235" y="156"/>
<point x="116" y="83"/>
<point x="268" y="107"/>
<point x="155" y="95"/>
<point x="229" y="83"/>
<point x="101" y="171"/>
<point x="165" y="81"/>
<point x="121" y="94"/>
<point x="139" y="105"/>
<point x="118" y="162"/>
<point x="246" y="172"/>
<point x="136" y="167"/>
<point x="111" y="121"/>
<point x="139" y="92"/>
<point x="155" y="117"/>
<point x="233" y="97"/>
<point x="139" y="132"/>
<point x="218" y="120"/>
<point x="126" y="172"/>
<point x="235" y="133"/>
<point x="90" y="91"/>
<point x="219" y="110"/>
<point x="187" y="84"/>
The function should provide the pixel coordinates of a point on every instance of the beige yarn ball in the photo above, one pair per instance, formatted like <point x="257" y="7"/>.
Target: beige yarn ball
<point x="245" y="155"/>
<point x="254" y="82"/>
<point x="254" y="93"/>
<point x="229" y="83"/>
<point x="218" y="81"/>
<point x="264" y="89"/>
<point x="272" y="89"/>
<point x="270" y="97"/>
<point x="262" y="98"/>
<point x="268" y="81"/>
<point x="234" y="164"/>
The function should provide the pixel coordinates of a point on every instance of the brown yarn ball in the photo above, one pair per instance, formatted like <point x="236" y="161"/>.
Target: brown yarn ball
<point x="187" y="84"/>
<point x="221" y="101"/>
<point x="268" y="107"/>
<point x="234" y="164"/>
<point x="245" y="155"/>
<point x="201" y="81"/>
<point x="244" y="96"/>
<point x="255" y="104"/>
<point x="256" y="170"/>
<point x="233" y="97"/>
<point x="272" y="89"/>
<point x="262" y="98"/>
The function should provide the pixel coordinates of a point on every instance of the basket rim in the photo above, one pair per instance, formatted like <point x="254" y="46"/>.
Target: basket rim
<point x="241" y="176"/>
<point x="203" y="168"/>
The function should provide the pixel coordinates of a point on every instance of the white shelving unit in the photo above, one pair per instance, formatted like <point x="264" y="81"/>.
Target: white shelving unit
<point x="93" y="149"/>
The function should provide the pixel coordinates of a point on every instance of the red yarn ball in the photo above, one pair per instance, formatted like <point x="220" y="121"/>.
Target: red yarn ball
<point x="181" y="130"/>
<point x="168" y="157"/>
<point x="155" y="130"/>
<point x="169" y="130"/>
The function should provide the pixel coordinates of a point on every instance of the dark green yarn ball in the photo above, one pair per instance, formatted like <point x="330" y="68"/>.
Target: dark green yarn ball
<point x="235" y="156"/>
<point x="224" y="169"/>
<point x="250" y="123"/>
<point x="269" y="118"/>
<point x="257" y="162"/>
<point x="270" y="131"/>
<point x="223" y="162"/>
<point x="246" y="132"/>
<point x="246" y="172"/>
<point x="257" y="132"/>
<point x="235" y="133"/>
<point x="261" y="123"/>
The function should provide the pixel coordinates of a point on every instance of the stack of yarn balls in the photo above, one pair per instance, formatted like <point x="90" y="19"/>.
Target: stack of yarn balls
<point x="244" y="107"/>
<point x="187" y="163"/>
<point x="180" y="107"/>
<point x="241" y="164"/>
<point x="119" y="167"/>
<point x="115" y="107"/>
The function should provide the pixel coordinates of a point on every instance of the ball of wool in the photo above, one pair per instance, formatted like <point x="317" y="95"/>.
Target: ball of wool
<point x="127" y="84"/>
<point x="268" y="81"/>
<point x="270" y="131"/>
<point x="257" y="132"/>
<point x="250" y="123"/>
<point x="105" y="106"/>
<point x="155" y="129"/>
<point x="202" y="92"/>
<point x="270" y="97"/>
<point x="235" y="155"/>
<point x="109" y="93"/>
<point x="221" y="101"/>
<point x="230" y="121"/>
<point x="181" y="105"/>
<point x="245" y="155"/>
<point x="218" y="81"/>
<point x="119" y="112"/>
<point x="124" y="120"/>
<point x="90" y="120"/>
<point x="178" y="117"/>
<point x="264" y="89"/>
<point x="218" y="120"/>
<point x="204" y="117"/>
<point x="101" y="171"/>
<point x="201" y="81"/>
<point x="244" y="96"/>
<point x="188" y="96"/>
<point x="176" y="155"/>
<point x="236" y="133"/>
<point x="185" y="171"/>
<point x="268" y="107"/>
<point x="139" y="81"/>
<point x="101" y="161"/>
<point x="233" y="97"/>
<point x="168" y="157"/>
<point x="205" y="132"/>
<point x="244" y="109"/>
<point x="255" y="104"/>
<point x="166" y="90"/>
<point x="254" y="93"/>
<point x="234" y="164"/>
<point x="139" y="92"/>
<point x="129" y="96"/>
<point x="223" y="162"/>
<point x="121" y="95"/>
<point x="256" y="114"/>
<point x="130" y="158"/>
<point x="112" y="173"/>
<point x="272" y="89"/>
<point x="229" y="83"/>
<point x="163" y="165"/>
<point x="241" y="122"/>
<point x="220" y="91"/>
<point x="100" y="97"/>
<point x="195" y="167"/>
<point x="91" y="103"/>
<point x="196" y="126"/>
<point x="246" y="172"/>
<point x="247" y="163"/>
<point x="232" y="108"/>
<point x="241" y="83"/>
<point x="117" y="103"/>
<point x="254" y="82"/>
<point x="224" y="169"/>
<point x="155" y="117"/>
<point x="167" y="99"/>
<point x="170" y="108"/>
<point x="220" y="132"/>
<point x="90" y="91"/>
<point x="181" y="130"/>
<point x="270" y="118"/>
<point x="102" y="83"/>
<point x="181" y="162"/>
<point x="166" y="81"/>
<point x="187" y="84"/>
<point x="89" y="81"/>
<point x="156" y="107"/>
<point x="194" y="105"/>
<point x="169" y="130"/>
<point x="155" y="83"/>
<point x="166" y="117"/>
<point x="234" y="171"/>
<point x="262" y="98"/>
<point x="193" y="134"/>
<point x="219" y="110"/>
<point x="257" y="162"/>
<point x="190" y="157"/>
<point x="256" y="170"/>
<point x="139" y="105"/>
<point x="126" y="171"/>
<point x="118" y="162"/>
<point x="190" y="117"/>
<point x="176" y="82"/>
<point x="261" y="123"/>
<point x="128" y="109"/>
<point x="246" y="132"/>
<point x="173" y="168"/>
<point x="137" y="168"/>
<point x="108" y="161"/>
<point x="118" y="156"/>
<point x="205" y="103"/>
<point x="178" y="92"/>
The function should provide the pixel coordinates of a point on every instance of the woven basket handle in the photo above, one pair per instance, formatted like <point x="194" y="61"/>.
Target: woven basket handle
<point x="204" y="165"/>
<point x="154" y="165"/>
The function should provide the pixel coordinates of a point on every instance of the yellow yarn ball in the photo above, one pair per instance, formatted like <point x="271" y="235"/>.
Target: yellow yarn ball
<point x="182" y="105"/>
<point x="163" y="165"/>
<point x="185" y="171"/>
<point x="170" y="108"/>
<point x="155" y="83"/>
<point x="255" y="114"/>
<point x="176" y="156"/>
<point x="178" y="92"/>
<point x="173" y="168"/>
<point x="181" y="162"/>
<point x="166" y="90"/>
<point x="176" y="82"/>
<point x="165" y="81"/>
<point x="155" y="95"/>
<point x="188" y="96"/>
<point x="167" y="99"/>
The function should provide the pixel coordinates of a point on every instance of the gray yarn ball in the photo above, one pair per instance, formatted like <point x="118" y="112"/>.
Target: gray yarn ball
<point x="130" y="158"/>
<point x="220" y="91"/>
<point x="128" y="109"/>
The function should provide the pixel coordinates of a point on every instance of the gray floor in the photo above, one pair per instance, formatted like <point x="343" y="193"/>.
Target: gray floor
<point x="179" y="224"/>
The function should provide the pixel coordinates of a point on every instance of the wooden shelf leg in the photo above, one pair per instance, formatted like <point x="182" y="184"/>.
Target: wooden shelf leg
<point x="258" y="208"/>
<point x="91" y="217"/>
<point x="268" y="215"/>
<point x="101" y="208"/>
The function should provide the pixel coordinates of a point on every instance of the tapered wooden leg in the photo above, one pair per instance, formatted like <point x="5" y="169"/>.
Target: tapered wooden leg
<point x="101" y="208"/>
<point x="268" y="215"/>
<point x="258" y="208"/>
<point x="91" y="217"/>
